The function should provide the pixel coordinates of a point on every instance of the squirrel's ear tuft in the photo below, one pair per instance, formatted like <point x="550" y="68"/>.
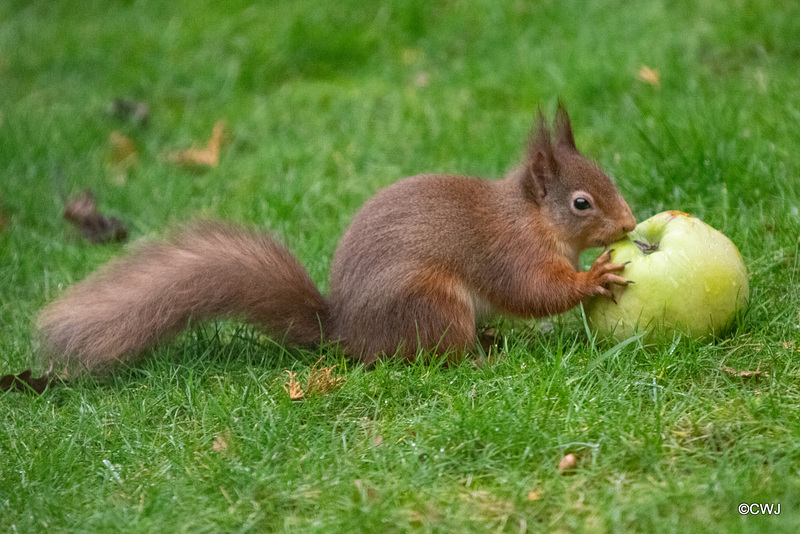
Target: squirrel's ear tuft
<point x="540" y="163"/>
<point x="564" y="136"/>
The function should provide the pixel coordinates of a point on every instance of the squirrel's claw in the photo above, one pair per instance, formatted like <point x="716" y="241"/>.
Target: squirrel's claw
<point x="609" y="278"/>
<point x="604" y="276"/>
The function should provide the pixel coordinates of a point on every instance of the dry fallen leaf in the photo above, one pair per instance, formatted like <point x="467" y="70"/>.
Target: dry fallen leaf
<point x="431" y="515"/>
<point x="82" y="212"/>
<point x="293" y="387"/>
<point x="25" y="383"/>
<point x="126" y="109"/>
<point x="366" y="491"/>
<point x="123" y="156"/>
<point x="733" y="371"/>
<point x="534" y="495"/>
<point x="123" y="150"/>
<point x="648" y="75"/>
<point x="220" y="443"/>
<point x="200" y="158"/>
<point x="320" y="382"/>
<point x="567" y="463"/>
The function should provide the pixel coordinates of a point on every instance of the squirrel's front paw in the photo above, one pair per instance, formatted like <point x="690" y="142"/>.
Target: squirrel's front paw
<point x="602" y="275"/>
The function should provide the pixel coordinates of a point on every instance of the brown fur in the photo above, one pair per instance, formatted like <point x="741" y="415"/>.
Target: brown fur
<point x="422" y="261"/>
<point x="208" y="270"/>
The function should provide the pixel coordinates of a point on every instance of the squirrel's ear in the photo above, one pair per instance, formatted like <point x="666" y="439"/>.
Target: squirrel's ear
<point x="540" y="164"/>
<point x="564" y="136"/>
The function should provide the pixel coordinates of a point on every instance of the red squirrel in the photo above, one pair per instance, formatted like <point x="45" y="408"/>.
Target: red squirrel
<point x="422" y="262"/>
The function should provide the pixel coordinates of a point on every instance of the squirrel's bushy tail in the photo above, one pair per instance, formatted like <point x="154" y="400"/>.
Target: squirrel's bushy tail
<point x="207" y="270"/>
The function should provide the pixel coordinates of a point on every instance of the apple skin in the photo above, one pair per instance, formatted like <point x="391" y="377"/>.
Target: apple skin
<point x="689" y="279"/>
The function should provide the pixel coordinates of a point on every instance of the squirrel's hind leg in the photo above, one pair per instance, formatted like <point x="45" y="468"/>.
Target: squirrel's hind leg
<point x="435" y="314"/>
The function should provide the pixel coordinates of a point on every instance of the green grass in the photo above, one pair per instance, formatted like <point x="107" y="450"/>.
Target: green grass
<point x="327" y="104"/>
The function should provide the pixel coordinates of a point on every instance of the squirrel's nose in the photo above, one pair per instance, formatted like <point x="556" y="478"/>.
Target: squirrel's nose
<point x="629" y="223"/>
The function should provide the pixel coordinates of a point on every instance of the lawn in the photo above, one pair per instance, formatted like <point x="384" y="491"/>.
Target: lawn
<point x="324" y="104"/>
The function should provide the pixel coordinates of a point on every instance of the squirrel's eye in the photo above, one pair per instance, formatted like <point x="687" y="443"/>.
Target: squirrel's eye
<point x="581" y="203"/>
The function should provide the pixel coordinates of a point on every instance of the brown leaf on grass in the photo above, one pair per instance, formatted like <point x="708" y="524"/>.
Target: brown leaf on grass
<point x="82" y="211"/>
<point x="534" y="495"/>
<point x="123" y="149"/>
<point x="431" y="515"/>
<point x="122" y="157"/>
<point x="366" y="491"/>
<point x="293" y="387"/>
<point x="202" y="158"/>
<point x="126" y="109"/>
<point x="733" y="371"/>
<point x="567" y="463"/>
<point x="320" y="382"/>
<point x="25" y="383"/>
<point x="220" y="442"/>
<point x="648" y="75"/>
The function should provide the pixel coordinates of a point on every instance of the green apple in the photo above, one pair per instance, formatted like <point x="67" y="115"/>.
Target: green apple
<point x="689" y="279"/>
